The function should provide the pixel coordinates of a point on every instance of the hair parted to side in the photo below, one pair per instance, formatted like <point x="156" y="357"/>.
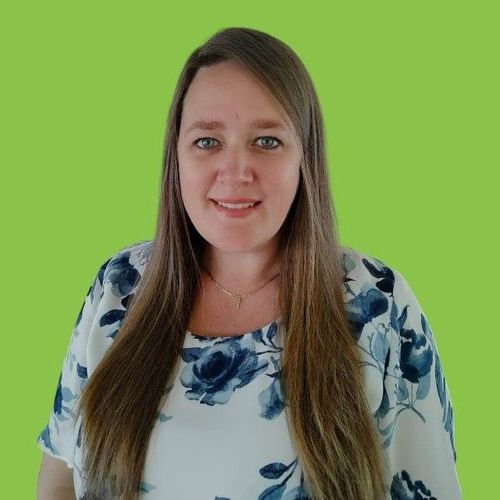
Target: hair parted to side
<point x="330" y="422"/>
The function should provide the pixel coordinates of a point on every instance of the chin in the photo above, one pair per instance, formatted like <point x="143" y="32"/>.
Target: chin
<point x="237" y="247"/>
<point x="236" y="243"/>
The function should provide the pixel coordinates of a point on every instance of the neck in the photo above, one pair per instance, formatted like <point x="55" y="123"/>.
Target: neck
<point x="242" y="272"/>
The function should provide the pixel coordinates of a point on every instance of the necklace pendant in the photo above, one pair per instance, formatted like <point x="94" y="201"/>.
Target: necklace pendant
<point x="238" y="302"/>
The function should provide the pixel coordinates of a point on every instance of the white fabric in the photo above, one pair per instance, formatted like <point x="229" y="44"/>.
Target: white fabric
<point x="223" y="432"/>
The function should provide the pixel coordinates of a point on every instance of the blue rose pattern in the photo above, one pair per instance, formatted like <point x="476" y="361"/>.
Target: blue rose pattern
<point x="213" y="372"/>
<point x="403" y="488"/>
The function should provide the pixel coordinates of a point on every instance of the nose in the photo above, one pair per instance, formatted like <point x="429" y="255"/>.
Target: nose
<point x="234" y="168"/>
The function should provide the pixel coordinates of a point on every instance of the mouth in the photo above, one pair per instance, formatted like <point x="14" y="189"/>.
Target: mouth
<point x="236" y="210"/>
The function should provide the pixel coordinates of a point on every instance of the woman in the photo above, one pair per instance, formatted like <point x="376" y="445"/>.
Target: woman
<point x="243" y="352"/>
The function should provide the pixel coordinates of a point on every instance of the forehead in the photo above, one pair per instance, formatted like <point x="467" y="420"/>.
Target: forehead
<point x="227" y="95"/>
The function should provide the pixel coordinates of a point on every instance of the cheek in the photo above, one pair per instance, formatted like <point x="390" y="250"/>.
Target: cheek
<point x="191" y="180"/>
<point x="194" y="192"/>
<point x="185" y="188"/>
<point x="284" y="186"/>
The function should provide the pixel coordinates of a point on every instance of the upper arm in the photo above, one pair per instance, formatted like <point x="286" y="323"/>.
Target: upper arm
<point x="57" y="439"/>
<point x="416" y="417"/>
<point x="54" y="478"/>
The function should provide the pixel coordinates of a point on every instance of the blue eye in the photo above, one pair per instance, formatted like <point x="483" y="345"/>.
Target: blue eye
<point x="274" y="139"/>
<point x="203" y="139"/>
<point x="211" y="139"/>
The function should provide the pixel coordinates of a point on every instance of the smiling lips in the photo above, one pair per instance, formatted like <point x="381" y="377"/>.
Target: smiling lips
<point x="240" y="209"/>
<point x="235" y="200"/>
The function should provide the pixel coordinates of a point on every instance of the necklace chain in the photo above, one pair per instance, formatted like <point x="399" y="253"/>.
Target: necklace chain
<point x="239" y="298"/>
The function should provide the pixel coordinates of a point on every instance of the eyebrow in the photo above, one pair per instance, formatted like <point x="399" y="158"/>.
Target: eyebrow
<point x="261" y="123"/>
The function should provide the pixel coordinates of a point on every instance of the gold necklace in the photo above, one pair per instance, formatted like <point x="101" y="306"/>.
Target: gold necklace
<point x="237" y="296"/>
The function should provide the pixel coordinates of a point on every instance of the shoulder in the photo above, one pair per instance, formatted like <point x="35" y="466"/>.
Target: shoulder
<point x="367" y="278"/>
<point x="134" y="253"/>
<point x="368" y="287"/>
<point x="382" y="287"/>
<point x="375" y="294"/>
<point x="116" y="280"/>
<point x="385" y="316"/>
<point x="112" y="292"/>
<point x="360" y="266"/>
<point x="372" y="276"/>
<point x="124" y="268"/>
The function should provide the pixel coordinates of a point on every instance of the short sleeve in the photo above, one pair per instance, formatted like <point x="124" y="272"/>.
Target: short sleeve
<point x="415" y="418"/>
<point x="57" y="437"/>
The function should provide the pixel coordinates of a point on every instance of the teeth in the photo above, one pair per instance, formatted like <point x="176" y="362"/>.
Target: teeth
<point x="237" y="205"/>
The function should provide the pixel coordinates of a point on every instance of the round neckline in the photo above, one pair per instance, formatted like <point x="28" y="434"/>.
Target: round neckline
<point x="194" y="334"/>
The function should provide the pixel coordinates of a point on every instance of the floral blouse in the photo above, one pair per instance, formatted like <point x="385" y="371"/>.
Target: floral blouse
<point x="223" y="434"/>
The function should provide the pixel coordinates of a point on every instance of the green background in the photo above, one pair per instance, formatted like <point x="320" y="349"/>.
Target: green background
<point x="409" y="93"/>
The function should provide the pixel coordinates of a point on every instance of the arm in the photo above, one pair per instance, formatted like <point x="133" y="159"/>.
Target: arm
<point x="57" y="438"/>
<point x="55" y="480"/>
<point x="416" y="417"/>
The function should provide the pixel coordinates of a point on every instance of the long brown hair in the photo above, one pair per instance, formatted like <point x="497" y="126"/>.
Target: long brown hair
<point x="322" y="384"/>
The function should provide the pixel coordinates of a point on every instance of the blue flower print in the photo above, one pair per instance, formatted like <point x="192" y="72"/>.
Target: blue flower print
<point x="112" y="317"/>
<point x="275" y="470"/>
<point x="122" y="275"/>
<point x="45" y="436"/>
<point x="214" y="372"/>
<point x="97" y="283"/>
<point x="65" y="395"/>
<point x="61" y="411"/>
<point x="115" y="317"/>
<point x="416" y="355"/>
<point x="146" y="487"/>
<point x="408" y="396"/>
<point x="446" y="404"/>
<point x="364" y="308"/>
<point x="58" y="397"/>
<point x="123" y="278"/>
<point x="271" y="399"/>
<point x="386" y="274"/>
<point x="409" y="372"/>
<point x="403" y="488"/>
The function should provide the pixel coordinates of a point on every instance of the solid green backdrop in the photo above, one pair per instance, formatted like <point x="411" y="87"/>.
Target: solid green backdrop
<point x="408" y="94"/>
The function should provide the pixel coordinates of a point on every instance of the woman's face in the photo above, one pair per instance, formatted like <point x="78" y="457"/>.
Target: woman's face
<point x="236" y="158"/>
